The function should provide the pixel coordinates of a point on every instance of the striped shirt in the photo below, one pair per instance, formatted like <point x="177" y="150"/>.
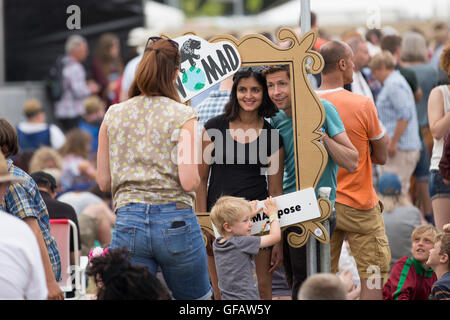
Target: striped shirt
<point x="409" y="280"/>
<point x="24" y="200"/>
<point x="441" y="288"/>
<point x="396" y="101"/>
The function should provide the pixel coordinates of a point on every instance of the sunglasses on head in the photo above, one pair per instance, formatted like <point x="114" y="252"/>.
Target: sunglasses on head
<point x="255" y="69"/>
<point x="154" y="39"/>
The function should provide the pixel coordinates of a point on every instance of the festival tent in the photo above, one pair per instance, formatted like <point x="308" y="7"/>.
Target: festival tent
<point x="357" y="12"/>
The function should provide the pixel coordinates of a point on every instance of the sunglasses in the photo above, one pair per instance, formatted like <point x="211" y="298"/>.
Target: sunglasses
<point x="255" y="69"/>
<point x="154" y="39"/>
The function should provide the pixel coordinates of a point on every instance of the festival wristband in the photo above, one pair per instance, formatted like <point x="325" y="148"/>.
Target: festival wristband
<point x="263" y="227"/>
<point x="273" y="217"/>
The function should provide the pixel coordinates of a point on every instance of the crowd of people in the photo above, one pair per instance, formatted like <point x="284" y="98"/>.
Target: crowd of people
<point x="122" y="162"/>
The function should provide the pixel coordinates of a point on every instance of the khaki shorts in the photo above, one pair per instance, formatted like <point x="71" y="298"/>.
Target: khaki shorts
<point x="365" y="232"/>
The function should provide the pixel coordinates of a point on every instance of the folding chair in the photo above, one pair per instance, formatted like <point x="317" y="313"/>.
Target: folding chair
<point x="60" y="230"/>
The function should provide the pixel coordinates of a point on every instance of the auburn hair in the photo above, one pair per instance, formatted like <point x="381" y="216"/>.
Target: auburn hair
<point x="155" y="72"/>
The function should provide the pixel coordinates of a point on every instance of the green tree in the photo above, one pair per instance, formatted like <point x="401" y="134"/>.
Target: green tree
<point x="253" y="6"/>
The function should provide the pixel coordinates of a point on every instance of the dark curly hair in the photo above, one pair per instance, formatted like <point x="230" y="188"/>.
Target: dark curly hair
<point x="118" y="279"/>
<point x="267" y="108"/>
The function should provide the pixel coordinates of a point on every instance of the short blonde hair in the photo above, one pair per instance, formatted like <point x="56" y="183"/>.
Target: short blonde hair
<point x="229" y="209"/>
<point x="391" y="202"/>
<point x="93" y="104"/>
<point x="424" y="229"/>
<point x="382" y="58"/>
<point x="41" y="158"/>
<point x="322" y="286"/>
<point x="32" y="107"/>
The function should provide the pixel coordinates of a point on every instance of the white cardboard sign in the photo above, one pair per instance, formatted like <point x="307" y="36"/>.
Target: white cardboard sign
<point x="294" y="207"/>
<point x="204" y="64"/>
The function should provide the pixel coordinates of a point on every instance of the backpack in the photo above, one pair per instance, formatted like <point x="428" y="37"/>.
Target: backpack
<point x="54" y="81"/>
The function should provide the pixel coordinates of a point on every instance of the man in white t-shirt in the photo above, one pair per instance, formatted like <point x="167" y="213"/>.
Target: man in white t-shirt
<point x="22" y="274"/>
<point x="361" y="58"/>
<point x="128" y="76"/>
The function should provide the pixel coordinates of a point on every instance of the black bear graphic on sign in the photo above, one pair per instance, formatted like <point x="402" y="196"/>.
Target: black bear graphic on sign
<point x="187" y="52"/>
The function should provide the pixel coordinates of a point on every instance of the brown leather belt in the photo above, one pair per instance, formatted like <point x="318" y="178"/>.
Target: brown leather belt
<point x="182" y="205"/>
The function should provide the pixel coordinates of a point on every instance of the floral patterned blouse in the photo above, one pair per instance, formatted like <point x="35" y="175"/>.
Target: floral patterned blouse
<point x="143" y="135"/>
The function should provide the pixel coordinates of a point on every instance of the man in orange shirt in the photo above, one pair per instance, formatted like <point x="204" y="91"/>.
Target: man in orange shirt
<point x="358" y="211"/>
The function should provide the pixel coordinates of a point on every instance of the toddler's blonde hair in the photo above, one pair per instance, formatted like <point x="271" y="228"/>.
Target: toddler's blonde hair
<point x="229" y="209"/>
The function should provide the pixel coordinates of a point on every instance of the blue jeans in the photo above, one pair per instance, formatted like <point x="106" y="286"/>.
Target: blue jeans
<point x="169" y="237"/>
<point x="437" y="186"/>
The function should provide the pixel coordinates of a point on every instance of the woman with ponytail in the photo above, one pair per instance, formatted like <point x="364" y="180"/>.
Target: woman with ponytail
<point x="146" y="158"/>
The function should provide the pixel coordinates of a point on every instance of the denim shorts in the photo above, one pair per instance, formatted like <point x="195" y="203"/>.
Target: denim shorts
<point x="170" y="237"/>
<point x="437" y="187"/>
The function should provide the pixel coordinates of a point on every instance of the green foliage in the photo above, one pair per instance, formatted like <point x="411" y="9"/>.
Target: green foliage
<point x="213" y="8"/>
<point x="194" y="8"/>
<point x="190" y="7"/>
<point x="201" y="8"/>
<point x="254" y="5"/>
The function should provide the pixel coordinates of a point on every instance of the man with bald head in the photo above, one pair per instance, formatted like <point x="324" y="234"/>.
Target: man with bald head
<point x="358" y="210"/>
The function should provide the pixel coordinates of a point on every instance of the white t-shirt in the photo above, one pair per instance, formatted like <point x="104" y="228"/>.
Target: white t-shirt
<point x="360" y="86"/>
<point x="79" y="200"/>
<point x="22" y="274"/>
<point x="57" y="137"/>
<point x="129" y="72"/>
<point x="438" y="145"/>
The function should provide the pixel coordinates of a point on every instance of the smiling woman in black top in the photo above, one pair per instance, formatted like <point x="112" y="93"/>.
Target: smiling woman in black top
<point x="243" y="156"/>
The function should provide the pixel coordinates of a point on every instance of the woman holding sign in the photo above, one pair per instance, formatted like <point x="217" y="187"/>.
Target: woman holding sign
<point x="153" y="190"/>
<point x="243" y="157"/>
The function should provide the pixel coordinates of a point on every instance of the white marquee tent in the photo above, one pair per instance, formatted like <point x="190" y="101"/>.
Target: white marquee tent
<point x="358" y="12"/>
<point x="363" y="13"/>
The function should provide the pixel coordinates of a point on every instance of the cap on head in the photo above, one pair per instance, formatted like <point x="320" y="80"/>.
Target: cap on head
<point x="389" y="184"/>
<point x="44" y="179"/>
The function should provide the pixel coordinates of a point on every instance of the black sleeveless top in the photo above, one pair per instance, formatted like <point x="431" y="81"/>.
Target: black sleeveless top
<point x="239" y="169"/>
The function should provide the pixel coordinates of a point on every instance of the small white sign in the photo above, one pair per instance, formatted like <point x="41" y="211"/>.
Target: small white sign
<point x="294" y="207"/>
<point x="204" y="64"/>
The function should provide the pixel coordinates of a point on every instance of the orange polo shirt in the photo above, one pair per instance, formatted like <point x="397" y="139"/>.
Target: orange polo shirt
<point x="361" y="123"/>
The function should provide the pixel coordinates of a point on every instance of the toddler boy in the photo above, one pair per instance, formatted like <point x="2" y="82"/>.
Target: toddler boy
<point x="234" y="251"/>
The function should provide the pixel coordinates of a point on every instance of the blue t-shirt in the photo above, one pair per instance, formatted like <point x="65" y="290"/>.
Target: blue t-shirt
<point x="333" y="125"/>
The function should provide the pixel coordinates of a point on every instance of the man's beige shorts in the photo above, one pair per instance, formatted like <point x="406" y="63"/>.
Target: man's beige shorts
<point x="365" y="232"/>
